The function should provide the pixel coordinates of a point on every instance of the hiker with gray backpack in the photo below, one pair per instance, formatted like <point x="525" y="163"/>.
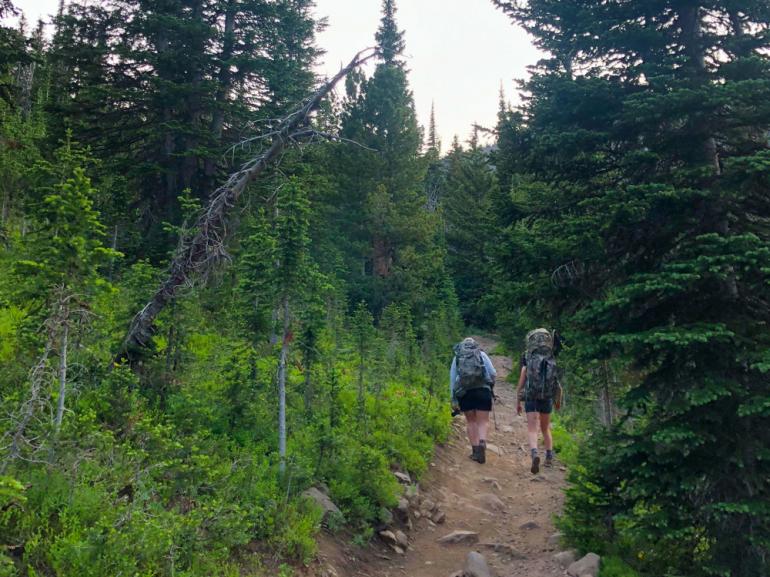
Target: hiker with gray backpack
<point x="471" y="385"/>
<point x="540" y="390"/>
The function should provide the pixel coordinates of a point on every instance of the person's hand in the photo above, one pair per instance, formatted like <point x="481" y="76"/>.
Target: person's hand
<point x="557" y="404"/>
<point x="518" y="407"/>
<point x="455" y="409"/>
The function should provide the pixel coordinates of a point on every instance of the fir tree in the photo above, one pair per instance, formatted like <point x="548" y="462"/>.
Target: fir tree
<point x="382" y="208"/>
<point x="390" y="40"/>
<point x="639" y="181"/>
<point x="163" y="89"/>
<point x="469" y="188"/>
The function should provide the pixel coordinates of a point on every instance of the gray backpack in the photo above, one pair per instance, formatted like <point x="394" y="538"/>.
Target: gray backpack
<point x="542" y="375"/>
<point x="471" y="373"/>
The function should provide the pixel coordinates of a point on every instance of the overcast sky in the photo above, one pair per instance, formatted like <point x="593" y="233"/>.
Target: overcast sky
<point x="458" y="53"/>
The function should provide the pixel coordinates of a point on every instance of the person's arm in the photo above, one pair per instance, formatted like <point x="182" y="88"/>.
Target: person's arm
<point x="522" y="380"/>
<point x="452" y="379"/>
<point x="489" y="368"/>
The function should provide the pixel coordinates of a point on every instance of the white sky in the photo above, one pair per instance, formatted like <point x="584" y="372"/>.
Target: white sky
<point x="458" y="53"/>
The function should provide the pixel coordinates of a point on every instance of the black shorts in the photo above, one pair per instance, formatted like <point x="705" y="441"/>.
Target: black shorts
<point x="476" y="400"/>
<point x="539" y="406"/>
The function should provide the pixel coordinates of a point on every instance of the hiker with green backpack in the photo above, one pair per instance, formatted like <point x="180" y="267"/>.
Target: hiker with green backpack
<point x="540" y="390"/>
<point x="471" y="385"/>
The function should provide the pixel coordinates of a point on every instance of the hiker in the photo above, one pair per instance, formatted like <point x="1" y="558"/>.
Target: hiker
<point x="540" y="390"/>
<point x="471" y="385"/>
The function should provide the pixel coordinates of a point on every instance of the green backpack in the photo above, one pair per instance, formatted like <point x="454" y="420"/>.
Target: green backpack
<point x="471" y="373"/>
<point x="542" y="374"/>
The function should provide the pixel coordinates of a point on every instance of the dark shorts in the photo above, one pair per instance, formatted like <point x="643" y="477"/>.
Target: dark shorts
<point x="540" y="406"/>
<point x="476" y="400"/>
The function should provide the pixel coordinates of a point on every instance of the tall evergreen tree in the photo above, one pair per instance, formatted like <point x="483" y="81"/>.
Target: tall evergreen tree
<point x="469" y="188"/>
<point x="164" y="89"/>
<point x="390" y="40"/>
<point x="381" y="205"/>
<point x="642" y="181"/>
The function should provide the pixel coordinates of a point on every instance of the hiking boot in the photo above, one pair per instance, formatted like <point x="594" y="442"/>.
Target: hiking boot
<point x="548" y="461"/>
<point x="474" y="456"/>
<point x="535" y="465"/>
<point x="482" y="454"/>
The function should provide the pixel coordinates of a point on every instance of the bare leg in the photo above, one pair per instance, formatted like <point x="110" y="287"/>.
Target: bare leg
<point x="532" y="429"/>
<point x="482" y="423"/>
<point x="545" y="426"/>
<point x="472" y="426"/>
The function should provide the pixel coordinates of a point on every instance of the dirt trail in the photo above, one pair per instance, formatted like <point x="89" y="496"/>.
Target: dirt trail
<point x="461" y="488"/>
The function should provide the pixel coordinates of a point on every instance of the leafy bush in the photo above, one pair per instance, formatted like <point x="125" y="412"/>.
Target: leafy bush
<point x="616" y="567"/>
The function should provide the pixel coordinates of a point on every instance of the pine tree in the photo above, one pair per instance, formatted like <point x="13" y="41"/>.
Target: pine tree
<point x="381" y="207"/>
<point x="390" y="40"/>
<point x="640" y="179"/>
<point x="435" y="174"/>
<point x="59" y="273"/>
<point x="469" y="189"/>
<point x="162" y="90"/>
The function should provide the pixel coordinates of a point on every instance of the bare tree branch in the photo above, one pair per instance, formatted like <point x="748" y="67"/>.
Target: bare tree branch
<point x="205" y="247"/>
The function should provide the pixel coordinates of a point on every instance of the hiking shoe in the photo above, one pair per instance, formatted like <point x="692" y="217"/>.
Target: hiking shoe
<point x="474" y="456"/>
<point x="535" y="465"/>
<point x="548" y="461"/>
<point x="482" y="454"/>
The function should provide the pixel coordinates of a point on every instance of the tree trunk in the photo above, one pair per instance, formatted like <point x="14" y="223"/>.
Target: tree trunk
<point x="62" y="373"/>
<point x="282" y="386"/>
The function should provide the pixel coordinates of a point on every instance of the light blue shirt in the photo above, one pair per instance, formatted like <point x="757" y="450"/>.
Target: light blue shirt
<point x="489" y="369"/>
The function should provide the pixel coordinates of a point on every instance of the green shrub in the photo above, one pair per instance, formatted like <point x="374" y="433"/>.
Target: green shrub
<point x="616" y="567"/>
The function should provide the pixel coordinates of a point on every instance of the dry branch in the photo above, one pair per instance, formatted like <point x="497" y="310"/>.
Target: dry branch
<point x="204" y="248"/>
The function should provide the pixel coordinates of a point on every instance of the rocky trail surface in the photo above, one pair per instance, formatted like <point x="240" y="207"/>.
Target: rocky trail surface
<point x="499" y="509"/>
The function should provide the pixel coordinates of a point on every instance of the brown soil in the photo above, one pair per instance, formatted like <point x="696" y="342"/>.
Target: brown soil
<point x="458" y="485"/>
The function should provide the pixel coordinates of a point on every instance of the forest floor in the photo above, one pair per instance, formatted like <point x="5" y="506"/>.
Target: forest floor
<point x="513" y="529"/>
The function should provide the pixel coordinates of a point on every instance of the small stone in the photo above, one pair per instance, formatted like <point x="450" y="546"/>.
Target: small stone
<point x="389" y="537"/>
<point x="402" y="510"/>
<point x="417" y="514"/>
<point x="565" y="558"/>
<point x="495" y="449"/>
<point x="554" y="540"/>
<point x="503" y="549"/>
<point x="459" y="536"/>
<point x="412" y="493"/>
<point x="491" y="502"/>
<point x="428" y="505"/>
<point x="386" y="517"/>
<point x="506" y="429"/>
<point x="402" y="539"/>
<point x="587" y="566"/>
<point x="398" y="549"/>
<point x="323" y="501"/>
<point x="529" y="526"/>
<point x="476" y="565"/>
<point x="438" y="517"/>
<point x="403" y="477"/>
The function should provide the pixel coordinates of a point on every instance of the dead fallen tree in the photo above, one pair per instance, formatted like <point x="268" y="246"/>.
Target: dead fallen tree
<point x="199" y="254"/>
